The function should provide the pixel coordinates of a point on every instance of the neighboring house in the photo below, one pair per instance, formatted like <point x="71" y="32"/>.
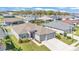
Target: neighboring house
<point x="45" y="18"/>
<point x="30" y="18"/>
<point x="2" y="33"/>
<point x="29" y="30"/>
<point x="73" y="22"/>
<point x="8" y="16"/>
<point x="12" y="21"/>
<point x="1" y="21"/>
<point x="56" y="17"/>
<point x="59" y="26"/>
<point x="2" y="47"/>
<point x="68" y="17"/>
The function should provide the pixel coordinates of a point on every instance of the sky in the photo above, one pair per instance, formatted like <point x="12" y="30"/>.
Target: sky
<point x="62" y="9"/>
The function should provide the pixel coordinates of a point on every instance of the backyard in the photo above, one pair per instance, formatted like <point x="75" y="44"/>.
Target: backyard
<point x="65" y="39"/>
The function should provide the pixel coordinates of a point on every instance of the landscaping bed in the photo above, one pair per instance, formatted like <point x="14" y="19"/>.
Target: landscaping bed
<point x="65" y="39"/>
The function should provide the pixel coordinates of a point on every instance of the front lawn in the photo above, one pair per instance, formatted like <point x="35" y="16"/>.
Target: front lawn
<point x="77" y="45"/>
<point x="76" y="32"/>
<point x="31" y="46"/>
<point x="65" y="39"/>
<point x="27" y="46"/>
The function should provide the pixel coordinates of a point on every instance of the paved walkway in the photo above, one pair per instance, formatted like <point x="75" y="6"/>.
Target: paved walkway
<point x="39" y="44"/>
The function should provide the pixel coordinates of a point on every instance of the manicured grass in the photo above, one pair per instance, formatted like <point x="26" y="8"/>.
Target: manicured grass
<point x="67" y="40"/>
<point x="28" y="46"/>
<point x="77" y="45"/>
<point x="76" y="32"/>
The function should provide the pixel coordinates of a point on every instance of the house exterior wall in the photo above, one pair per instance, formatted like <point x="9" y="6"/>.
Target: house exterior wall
<point x="37" y="37"/>
<point x="24" y="35"/>
<point x="44" y="37"/>
<point x="50" y="36"/>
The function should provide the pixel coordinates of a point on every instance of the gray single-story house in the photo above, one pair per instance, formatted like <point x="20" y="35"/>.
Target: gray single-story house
<point x="8" y="16"/>
<point x="60" y="25"/>
<point x="29" y="30"/>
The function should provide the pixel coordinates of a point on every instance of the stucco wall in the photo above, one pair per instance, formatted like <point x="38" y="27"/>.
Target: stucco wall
<point x="45" y="37"/>
<point x="37" y="37"/>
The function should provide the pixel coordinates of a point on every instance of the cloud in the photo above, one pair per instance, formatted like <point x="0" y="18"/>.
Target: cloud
<point x="38" y="8"/>
<point x="46" y="9"/>
<point x="74" y="8"/>
<point x="63" y="11"/>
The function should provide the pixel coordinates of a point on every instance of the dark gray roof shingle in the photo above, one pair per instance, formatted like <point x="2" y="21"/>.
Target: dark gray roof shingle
<point x="59" y="25"/>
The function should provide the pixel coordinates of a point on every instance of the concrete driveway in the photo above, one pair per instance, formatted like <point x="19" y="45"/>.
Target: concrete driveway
<point x="55" y="44"/>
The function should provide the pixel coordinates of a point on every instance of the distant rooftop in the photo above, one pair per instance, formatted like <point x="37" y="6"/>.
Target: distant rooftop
<point x="71" y="21"/>
<point x="59" y="25"/>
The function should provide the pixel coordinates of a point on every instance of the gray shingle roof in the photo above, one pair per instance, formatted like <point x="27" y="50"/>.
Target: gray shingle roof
<point x="27" y="27"/>
<point x="59" y="25"/>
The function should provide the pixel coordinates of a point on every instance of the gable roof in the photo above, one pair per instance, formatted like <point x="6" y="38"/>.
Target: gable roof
<point x="45" y="18"/>
<point x="29" y="27"/>
<point x="71" y="21"/>
<point x="59" y="25"/>
<point x="11" y="19"/>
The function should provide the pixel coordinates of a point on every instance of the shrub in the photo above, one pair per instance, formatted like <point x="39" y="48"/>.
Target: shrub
<point x="7" y="37"/>
<point x="20" y="41"/>
<point x="24" y="40"/>
<point x="58" y="36"/>
<point x="69" y="37"/>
